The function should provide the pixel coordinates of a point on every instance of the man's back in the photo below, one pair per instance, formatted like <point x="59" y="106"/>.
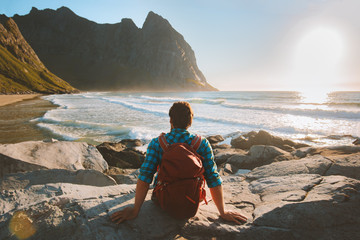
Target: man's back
<point x="176" y="135"/>
<point x="181" y="116"/>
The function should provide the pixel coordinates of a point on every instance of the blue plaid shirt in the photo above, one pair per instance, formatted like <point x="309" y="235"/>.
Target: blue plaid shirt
<point x="154" y="154"/>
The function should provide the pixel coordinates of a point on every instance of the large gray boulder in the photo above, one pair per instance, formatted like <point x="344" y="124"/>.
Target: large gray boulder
<point x="263" y="152"/>
<point x="56" y="155"/>
<point x="222" y="155"/>
<point x="258" y="155"/>
<point x="241" y="161"/>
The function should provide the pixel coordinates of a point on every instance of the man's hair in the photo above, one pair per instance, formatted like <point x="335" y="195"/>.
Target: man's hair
<point x="181" y="115"/>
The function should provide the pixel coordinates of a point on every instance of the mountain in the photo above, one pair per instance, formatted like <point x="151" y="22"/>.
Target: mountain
<point x="119" y="56"/>
<point x="21" y="71"/>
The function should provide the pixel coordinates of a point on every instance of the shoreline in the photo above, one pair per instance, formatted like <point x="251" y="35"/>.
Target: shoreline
<point x="14" y="98"/>
<point x="16" y="117"/>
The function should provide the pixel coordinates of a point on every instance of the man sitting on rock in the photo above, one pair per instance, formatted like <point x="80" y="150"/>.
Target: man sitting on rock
<point x="181" y="116"/>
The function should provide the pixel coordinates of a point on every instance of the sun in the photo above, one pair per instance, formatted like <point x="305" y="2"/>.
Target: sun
<point x="317" y="62"/>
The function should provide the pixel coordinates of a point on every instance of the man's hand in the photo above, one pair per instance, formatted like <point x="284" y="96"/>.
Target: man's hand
<point x="125" y="214"/>
<point x="217" y="196"/>
<point x="233" y="216"/>
<point x="132" y="212"/>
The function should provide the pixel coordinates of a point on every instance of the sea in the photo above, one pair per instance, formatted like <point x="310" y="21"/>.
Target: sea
<point x="313" y="118"/>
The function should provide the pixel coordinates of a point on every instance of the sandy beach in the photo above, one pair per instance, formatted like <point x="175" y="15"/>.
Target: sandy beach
<point x="16" y="115"/>
<point x="9" y="99"/>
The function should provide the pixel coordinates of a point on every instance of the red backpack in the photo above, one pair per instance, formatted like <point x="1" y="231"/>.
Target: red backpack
<point x="180" y="182"/>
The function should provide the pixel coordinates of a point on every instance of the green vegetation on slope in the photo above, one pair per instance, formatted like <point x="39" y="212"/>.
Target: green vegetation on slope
<point x="19" y="77"/>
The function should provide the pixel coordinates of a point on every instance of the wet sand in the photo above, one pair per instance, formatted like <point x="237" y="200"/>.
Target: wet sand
<point x="9" y="99"/>
<point x="15" y="118"/>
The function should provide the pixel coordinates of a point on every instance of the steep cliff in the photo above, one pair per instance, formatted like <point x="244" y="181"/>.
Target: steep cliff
<point x="21" y="71"/>
<point x="118" y="56"/>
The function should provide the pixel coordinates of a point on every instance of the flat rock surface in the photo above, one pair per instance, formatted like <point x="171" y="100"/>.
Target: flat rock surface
<point x="11" y="165"/>
<point x="84" y="177"/>
<point x="309" y="165"/>
<point x="306" y="206"/>
<point x="345" y="165"/>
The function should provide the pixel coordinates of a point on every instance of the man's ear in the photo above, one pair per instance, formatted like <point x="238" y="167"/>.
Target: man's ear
<point x="171" y="124"/>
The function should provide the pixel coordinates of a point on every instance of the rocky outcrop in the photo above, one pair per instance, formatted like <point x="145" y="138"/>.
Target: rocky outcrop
<point x="314" y="197"/>
<point x="264" y="138"/>
<point x="117" y="56"/>
<point x="21" y="71"/>
<point x="55" y="155"/>
<point x="291" y="206"/>
<point x="121" y="156"/>
<point x="310" y="206"/>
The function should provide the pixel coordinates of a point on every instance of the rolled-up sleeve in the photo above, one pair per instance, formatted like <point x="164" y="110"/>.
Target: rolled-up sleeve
<point x="211" y="174"/>
<point x="152" y="159"/>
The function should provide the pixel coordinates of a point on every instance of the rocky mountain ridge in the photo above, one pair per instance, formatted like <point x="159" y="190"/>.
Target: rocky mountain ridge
<point x="119" y="56"/>
<point x="21" y="71"/>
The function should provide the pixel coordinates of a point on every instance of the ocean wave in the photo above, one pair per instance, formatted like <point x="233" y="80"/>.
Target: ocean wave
<point x="161" y="99"/>
<point x="207" y="101"/>
<point x="58" y="100"/>
<point x="190" y="100"/>
<point x="55" y="129"/>
<point x="298" y="111"/>
<point x="345" y="104"/>
<point x="318" y="113"/>
<point x="90" y="115"/>
<point x="112" y="129"/>
<point x="258" y="126"/>
<point x="135" y="106"/>
<point x="228" y="121"/>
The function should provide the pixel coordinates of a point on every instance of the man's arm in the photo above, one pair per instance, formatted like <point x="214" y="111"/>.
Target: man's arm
<point x="132" y="212"/>
<point x="147" y="171"/>
<point x="217" y="196"/>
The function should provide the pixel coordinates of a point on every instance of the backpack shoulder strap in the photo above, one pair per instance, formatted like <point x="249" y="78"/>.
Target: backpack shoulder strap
<point x="163" y="143"/>
<point x="196" y="142"/>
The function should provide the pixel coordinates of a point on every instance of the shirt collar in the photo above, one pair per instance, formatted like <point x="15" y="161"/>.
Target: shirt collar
<point x="178" y="130"/>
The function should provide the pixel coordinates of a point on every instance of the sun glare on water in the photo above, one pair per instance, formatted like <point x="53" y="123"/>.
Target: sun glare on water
<point x="317" y="64"/>
<point x="316" y="96"/>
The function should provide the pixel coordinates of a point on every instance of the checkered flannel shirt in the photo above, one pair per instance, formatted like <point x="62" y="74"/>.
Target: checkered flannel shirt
<point x="154" y="154"/>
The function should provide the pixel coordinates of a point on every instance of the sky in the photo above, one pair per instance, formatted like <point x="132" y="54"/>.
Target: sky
<point x="247" y="44"/>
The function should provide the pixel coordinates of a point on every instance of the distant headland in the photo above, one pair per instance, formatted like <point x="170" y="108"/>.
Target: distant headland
<point x="111" y="57"/>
